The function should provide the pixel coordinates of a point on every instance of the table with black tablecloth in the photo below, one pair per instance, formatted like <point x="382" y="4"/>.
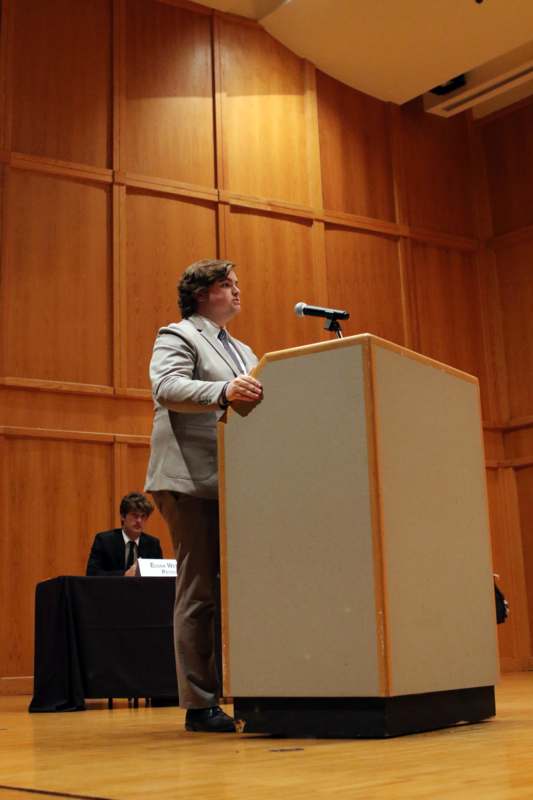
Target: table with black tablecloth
<point x="101" y="638"/>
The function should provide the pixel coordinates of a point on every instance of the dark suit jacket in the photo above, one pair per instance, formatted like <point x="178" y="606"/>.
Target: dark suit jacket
<point x="108" y="553"/>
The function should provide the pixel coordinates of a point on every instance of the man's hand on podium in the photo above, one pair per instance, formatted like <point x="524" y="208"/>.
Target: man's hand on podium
<point x="245" y="388"/>
<point x="131" y="572"/>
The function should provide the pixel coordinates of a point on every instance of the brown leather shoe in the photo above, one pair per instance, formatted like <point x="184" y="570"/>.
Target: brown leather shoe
<point x="208" y="720"/>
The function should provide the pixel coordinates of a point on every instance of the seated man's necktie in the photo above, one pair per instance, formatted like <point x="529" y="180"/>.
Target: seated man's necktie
<point x="131" y="555"/>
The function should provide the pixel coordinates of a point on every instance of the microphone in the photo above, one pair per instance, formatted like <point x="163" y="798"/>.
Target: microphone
<point x="303" y="310"/>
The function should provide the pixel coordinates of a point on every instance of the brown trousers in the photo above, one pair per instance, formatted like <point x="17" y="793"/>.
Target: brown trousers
<point x="193" y="526"/>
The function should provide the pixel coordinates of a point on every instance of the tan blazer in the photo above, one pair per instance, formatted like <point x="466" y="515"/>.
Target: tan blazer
<point x="188" y="370"/>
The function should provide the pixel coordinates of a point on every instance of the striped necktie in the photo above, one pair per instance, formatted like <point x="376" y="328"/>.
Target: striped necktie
<point x="223" y="336"/>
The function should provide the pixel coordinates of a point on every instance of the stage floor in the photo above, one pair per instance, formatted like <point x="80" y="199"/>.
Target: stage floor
<point x="128" y="754"/>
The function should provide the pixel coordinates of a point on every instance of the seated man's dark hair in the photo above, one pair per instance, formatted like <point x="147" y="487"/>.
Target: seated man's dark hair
<point x="135" y="501"/>
<point x="196" y="277"/>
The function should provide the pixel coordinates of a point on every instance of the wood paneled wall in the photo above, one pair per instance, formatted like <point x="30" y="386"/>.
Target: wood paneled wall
<point x="505" y="148"/>
<point x="140" y="135"/>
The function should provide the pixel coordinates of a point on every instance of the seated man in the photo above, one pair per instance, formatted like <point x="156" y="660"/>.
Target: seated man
<point x="116" y="552"/>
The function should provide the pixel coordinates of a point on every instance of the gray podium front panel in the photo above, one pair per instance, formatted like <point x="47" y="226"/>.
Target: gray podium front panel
<point x="300" y="574"/>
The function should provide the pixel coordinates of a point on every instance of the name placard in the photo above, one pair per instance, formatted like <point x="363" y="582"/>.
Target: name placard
<point x="156" y="567"/>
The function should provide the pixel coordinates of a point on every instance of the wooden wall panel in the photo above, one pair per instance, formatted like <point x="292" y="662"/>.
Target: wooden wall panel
<point x="168" y="124"/>
<point x="62" y="77"/>
<point x="65" y="410"/>
<point x="524" y="482"/>
<point x="58" y="496"/>
<point x="354" y="151"/>
<point x="508" y="150"/>
<point x="263" y="121"/>
<point x="508" y="564"/>
<point x="437" y="171"/>
<point x="364" y="278"/>
<point x="497" y="408"/>
<point x="447" y="309"/>
<point x="84" y="290"/>
<point x="515" y="278"/>
<point x="519" y="443"/>
<point x="494" y="445"/>
<point x="57" y="298"/>
<point x="276" y="269"/>
<point x="164" y="235"/>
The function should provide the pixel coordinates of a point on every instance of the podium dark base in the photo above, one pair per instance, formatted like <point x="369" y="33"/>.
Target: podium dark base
<point x="363" y="717"/>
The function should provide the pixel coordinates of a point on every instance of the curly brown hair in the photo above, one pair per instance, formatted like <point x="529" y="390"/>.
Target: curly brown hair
<point x="135" y="501"/>
<point x="199" y="276"/>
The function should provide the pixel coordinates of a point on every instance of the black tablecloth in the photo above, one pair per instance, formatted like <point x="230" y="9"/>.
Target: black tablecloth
<point x="102" y="637"/>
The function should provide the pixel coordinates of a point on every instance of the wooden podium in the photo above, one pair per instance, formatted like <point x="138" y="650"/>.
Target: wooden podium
<point x="357" y="588"/>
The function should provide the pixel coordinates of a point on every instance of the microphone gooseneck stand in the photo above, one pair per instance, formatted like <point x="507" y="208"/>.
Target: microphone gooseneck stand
<point x="335" y="326"/>
<point x="332" y="315"/>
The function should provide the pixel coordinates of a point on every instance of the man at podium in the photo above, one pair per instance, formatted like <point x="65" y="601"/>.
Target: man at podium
<point x="197" y="370"/>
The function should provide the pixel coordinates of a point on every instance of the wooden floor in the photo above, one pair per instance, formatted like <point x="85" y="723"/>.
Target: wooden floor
<point x="131" y="753"/>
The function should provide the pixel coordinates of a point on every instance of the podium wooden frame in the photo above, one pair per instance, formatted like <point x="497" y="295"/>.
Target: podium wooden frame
<point x="356" y="568"/>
